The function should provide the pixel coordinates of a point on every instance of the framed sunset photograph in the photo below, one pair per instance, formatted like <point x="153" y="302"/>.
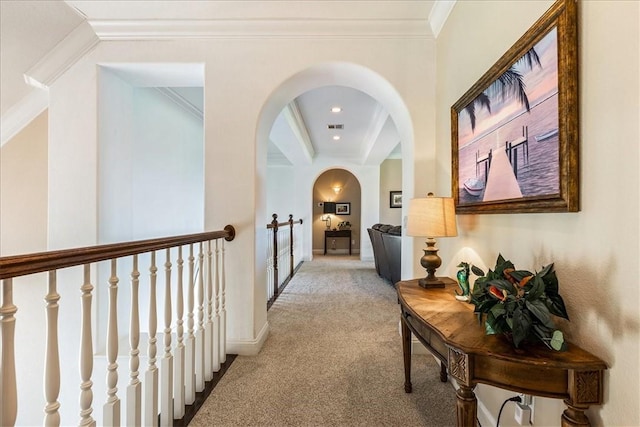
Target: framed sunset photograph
<point x="515" y="132"/>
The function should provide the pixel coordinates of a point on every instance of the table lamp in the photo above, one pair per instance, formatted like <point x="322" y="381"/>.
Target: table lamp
<point x="431" y="217"/>
<point x="328" y="208"/>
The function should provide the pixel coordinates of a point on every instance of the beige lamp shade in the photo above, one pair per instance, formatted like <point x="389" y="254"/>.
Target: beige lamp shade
<point x="432" y="217"/>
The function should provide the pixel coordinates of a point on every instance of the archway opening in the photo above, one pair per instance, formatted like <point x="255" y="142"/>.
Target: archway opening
<point x="300" y="200"/>
<point x="336" y="208"/>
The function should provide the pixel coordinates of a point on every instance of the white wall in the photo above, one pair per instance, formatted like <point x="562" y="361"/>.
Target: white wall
<point x="595" y="250"/>
<point x="281" y="194"/>
<point x="151" y="168"/>
<point x="23" y="190"/>
<point x="235" y="101"/>
<point x="390" y="180"/>
<point x="23" y="230"/>
<point x="168" y="168"/>
<point x="115" y="161"/>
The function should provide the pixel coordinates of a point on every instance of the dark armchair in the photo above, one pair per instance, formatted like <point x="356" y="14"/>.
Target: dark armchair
<point x="386" y="241"/>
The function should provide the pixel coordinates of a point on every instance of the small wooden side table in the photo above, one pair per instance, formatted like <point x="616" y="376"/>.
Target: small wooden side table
<point x="336" y="233"/>
<point x="450" y="330"/>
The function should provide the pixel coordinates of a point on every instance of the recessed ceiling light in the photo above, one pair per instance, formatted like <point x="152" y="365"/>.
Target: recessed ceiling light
<point x="336" y="137"/>
<point x="336" y="109"/>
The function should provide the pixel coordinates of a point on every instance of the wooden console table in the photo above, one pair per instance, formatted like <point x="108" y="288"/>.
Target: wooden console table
<point x="336" y="233"/>
<point x="450" y="330"/>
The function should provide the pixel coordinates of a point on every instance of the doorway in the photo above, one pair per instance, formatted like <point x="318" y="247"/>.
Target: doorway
<point x="336" y="208"/>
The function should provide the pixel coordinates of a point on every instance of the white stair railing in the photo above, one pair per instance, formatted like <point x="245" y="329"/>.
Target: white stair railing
<point x="161" y="394"/>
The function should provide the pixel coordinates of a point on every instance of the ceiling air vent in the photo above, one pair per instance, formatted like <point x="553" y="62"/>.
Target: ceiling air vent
<point x="335" y="126"/>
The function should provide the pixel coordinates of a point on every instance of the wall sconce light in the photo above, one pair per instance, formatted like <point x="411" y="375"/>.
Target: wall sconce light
<point x="337" y="189"/>
<point x="431" y="217"/>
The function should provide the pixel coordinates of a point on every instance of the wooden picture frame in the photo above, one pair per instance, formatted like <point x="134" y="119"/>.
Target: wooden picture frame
<point x="395" y="199"/>
<point x="343" y="208"/>
<point x="514" y="134"/>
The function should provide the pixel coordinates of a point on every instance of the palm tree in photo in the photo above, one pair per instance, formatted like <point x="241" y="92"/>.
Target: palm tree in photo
<point x="508" y="84"/>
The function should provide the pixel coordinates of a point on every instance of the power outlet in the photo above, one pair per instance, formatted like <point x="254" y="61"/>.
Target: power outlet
<point x="526" y="399"/>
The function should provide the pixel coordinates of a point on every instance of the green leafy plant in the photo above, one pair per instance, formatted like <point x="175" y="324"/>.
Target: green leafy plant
<point x="520" y="303"/>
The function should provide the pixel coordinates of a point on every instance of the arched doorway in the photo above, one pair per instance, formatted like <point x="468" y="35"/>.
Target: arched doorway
<point x="336" y="207"/>
<point x="352" y="76"/>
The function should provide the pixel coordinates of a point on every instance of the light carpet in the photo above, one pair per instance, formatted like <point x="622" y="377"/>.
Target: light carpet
<point x="333" y="358"/>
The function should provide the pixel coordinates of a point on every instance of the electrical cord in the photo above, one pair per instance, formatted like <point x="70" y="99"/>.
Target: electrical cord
<point x="511" y="399"/>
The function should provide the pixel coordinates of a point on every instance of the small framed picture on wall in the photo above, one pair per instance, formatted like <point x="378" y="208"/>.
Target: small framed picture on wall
<point x="343" y="208"/>
<point x="395" y="199"/>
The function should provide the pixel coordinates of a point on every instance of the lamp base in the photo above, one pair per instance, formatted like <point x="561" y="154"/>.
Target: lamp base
<point x="431" y="261"/>
<point x="429" y="283"/>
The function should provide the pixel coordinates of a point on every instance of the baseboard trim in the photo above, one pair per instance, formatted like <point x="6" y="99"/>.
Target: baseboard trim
<point x="249" y="347"/>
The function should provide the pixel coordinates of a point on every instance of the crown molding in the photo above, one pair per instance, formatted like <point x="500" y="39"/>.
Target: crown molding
<point x="22" y="113"/>
<point x="181" y="102"/>
<point x="439" y="14"/>
<point x="260" y="28"/>
<point x="76" y="44"/>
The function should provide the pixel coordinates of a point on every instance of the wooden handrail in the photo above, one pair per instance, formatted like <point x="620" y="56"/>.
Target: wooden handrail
<point x="22" y="265"/>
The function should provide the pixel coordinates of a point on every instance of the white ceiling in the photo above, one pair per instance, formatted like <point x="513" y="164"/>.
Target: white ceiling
<point x="32" y="28"/>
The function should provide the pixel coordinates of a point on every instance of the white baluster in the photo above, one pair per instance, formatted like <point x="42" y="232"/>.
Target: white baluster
<point x="111" y="411"/>
<point x="208" y="330"/>
<point x="151" y="376"/>
<point x="223" y="310"/>
<point x="178" y="380"/>
<point x="216" y="313"/>
<point x="200" y="332"/>
<point x="52" y="362"/>
<point x="134" y="390"/>
<point x="190" y="376"/>
<point x="166" y="369"/>
<point x="8" y="392"/>
<point x="86" y="352"/>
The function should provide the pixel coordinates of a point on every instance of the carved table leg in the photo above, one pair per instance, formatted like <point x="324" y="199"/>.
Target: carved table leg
<point x="466" y="407"/>
<point x="443" y="372"/>
<point x="406" y="351"/>
<point x="574" y="415"/>
<point x="585" y="388"/>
